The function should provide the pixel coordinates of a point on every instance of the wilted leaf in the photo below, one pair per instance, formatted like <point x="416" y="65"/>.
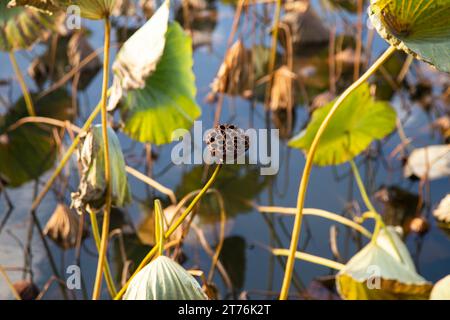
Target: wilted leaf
<point x="167" y="102"/>
<point x="91" y="190"/>
<point x="432" y="162"/>
<point x="441" y="290"/>
<point x="356" y="124"/>
<point x="421" y="28"/>
<point x="164" y="279"/>
<point x="20" y="28"/>
<point x="377" y="272"/>
<point x="63" y="227"/>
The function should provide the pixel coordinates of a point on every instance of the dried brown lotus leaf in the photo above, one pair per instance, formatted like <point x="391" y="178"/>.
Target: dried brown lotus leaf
<point x="63" y="227"/>
<point x="235" y="75"/>
<point x="281" y="96"/>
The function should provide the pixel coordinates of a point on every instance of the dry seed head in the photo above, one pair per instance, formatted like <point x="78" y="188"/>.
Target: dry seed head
<point x="227" y="142"/>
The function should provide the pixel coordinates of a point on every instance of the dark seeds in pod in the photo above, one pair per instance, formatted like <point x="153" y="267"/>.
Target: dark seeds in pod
<point x="227" y="142"/>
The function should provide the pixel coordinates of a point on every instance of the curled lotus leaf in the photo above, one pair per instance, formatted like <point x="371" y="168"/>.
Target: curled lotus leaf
<point x="381" y="272"/>
<point x="418" y="27"/>
<point x="91" y="191"/>
<point x="164" y="279"/>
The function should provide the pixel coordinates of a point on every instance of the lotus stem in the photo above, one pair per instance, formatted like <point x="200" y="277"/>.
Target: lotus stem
<point x="23" y="85"/>
<point x="159" y="227"/>
<point x="172" y="229"/>
<point x="319" y="213"/>
<point x="107" y="269"/>
<point x="361" y="187"/>
<point x="10" y="284"/>
<point x="310" y="258"/>
<point x="308" y="166"/>
<point x="107" y="208"/>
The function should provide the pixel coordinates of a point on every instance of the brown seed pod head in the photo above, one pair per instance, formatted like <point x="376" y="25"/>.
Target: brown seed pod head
<point x="227" y="142"/>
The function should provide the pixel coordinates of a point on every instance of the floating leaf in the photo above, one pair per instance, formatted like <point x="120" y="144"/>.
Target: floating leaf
<point x="89" y="9"/>
<point x="20" y="28"/>
<point x="378" y="272"/>
<point x="91" y="191"/>
<point x="432" y="162"/>
<point x="29" y="150"/>
<point x="167" y="102"/>
<point x="358" y="122"/>
<point x="420" y="28"/>
<point x="164" y="279"/>
<point x="441" y="290"/>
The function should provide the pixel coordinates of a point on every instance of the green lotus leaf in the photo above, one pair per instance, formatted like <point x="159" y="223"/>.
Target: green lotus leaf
<point x="91" y="191"/>
<point x="89" y="9"/>
<point x="441" y="290"/>
<point x="167" y="102"/>
<point x="377" y="272"/>
<point x="164" y="279"/>
<point x="29" y="150"/>
<point x="356" y="124"/>
<point x="20" y="28"/>
<point x="419" y="27"/>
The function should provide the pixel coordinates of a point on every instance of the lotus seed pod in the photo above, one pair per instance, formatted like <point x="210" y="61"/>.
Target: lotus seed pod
<point x="164" y="279"/>
<point x="226" y="142"/>
<point x="91" y="191"/>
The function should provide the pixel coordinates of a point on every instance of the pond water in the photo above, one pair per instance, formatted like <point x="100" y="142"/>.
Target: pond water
<point x="251" y="267"/>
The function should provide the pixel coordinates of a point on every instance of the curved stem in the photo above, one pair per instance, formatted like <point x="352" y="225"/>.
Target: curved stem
<point x="107" y="209"/>
<point x="310" y="258"/>
<point x="319" y="213"/>
<point x="159" y="226"/>
<point x="308" y="165"/>
<point x="107" y="269"/>
<point x="171" y="230"/>
<point x="23" y="85"/>
<point x="361" y="187"/>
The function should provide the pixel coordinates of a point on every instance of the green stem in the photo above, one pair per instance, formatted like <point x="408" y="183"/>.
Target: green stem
<point x="23" y="85"/>
<point x="107" y="209"/>
<point x="308" y="166"/>
<point x="107" y="269"/>
<point x="171" y="230"/>
<point x="159" y="226"/>
<point x="361" y="187"/>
